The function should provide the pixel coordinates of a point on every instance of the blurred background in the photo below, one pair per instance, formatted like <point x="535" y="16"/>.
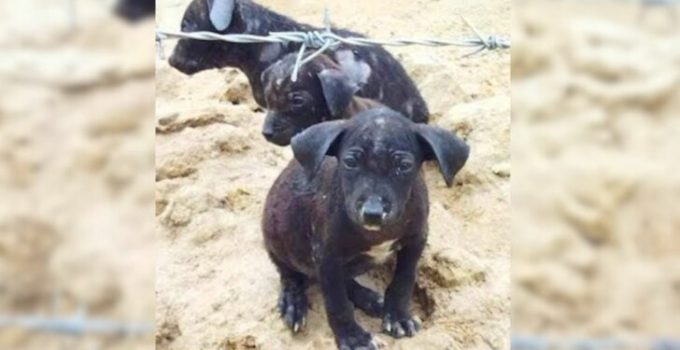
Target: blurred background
<point x="595" y="149"/>
<point x="77" y="255"/>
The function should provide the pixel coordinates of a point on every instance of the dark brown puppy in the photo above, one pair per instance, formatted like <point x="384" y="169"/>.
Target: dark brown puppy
<point x="381" y="76"/>
<point x="353" y="195"/>
<point x="322" y="92"/>
<point x="135" y="10"/>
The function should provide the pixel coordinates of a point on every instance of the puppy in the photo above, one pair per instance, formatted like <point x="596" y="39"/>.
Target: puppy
<point x="322" y="92"/>
<point x="354" y="195"/>
<point x="135" y="10"/>
<point x="381" y="76"/>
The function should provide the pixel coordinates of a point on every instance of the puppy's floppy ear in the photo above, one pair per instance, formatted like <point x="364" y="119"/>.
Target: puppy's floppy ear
<point x="438" y="144"/>
<point x="221" y="12"/>
<point x="338" y="90"/>
<point x="312" y="145"/>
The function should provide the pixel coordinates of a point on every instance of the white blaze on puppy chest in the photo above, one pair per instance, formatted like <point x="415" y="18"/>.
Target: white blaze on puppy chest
<point x="380" y="252"/>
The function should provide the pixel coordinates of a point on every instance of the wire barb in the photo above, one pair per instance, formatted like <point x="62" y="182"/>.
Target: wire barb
<point x="327" y="39"/>
<point x="160" y="51"/>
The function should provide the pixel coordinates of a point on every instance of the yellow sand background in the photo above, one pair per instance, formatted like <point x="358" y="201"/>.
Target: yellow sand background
<point x="76" y="170"/>
<point x="595" y="149"/>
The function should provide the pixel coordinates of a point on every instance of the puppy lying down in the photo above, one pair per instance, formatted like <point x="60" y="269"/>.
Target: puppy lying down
<point x="354" y="195"/>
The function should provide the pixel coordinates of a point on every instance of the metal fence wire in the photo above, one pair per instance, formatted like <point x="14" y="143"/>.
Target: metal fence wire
<point x="327" y="39"/>
<point x="537" y="342"/>
<point x="76" y="325"/>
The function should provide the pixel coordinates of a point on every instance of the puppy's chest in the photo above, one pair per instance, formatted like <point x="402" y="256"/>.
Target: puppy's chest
<point x="379" y="253"/>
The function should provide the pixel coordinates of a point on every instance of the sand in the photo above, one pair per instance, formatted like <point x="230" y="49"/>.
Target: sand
<point x="596" y="250"/>
<point x="76" y="173"/>
<point x="216" y="288"/>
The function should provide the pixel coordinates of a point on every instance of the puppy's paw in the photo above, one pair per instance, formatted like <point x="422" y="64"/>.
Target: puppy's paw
<point x="367" y="300"/>
<point x="399" y="326"/>
<point x="293" y="308"/>
<point x="357" y="340"/>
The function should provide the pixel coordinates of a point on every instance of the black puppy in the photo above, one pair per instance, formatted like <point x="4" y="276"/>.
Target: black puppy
<point x="322" y="92"/>
<point x="135" y="10"/>
<point x="381" y="76"/>
<point x="333" y="218"/>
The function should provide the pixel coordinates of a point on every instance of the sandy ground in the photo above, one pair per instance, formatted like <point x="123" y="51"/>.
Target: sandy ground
<point x="76" y="168"/>
<point x="216" y="288"/>
<point x="596" y="244"/>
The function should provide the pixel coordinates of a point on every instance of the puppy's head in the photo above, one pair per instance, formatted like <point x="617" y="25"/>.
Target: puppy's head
<point x="135" y="10"/>
<point x="379" y="154"/>
<point x="192" y="56"/>
<point x="322" y="92"/>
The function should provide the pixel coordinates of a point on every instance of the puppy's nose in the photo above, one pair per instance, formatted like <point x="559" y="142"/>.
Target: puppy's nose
<point x="373" y="211"/>
<point x="186" y="66"/>
<point x="268" y="133"/>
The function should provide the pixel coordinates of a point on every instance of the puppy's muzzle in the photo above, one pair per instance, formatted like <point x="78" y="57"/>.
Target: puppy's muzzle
<point x="186" y="66"/>
<point x="373" y="213"/>
<point x="276" y="131"/>
<point x="268" y="132"/>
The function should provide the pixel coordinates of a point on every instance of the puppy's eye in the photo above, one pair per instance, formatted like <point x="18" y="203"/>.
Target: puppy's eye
<point x="297" y="100"/>
<point x="403" y="163"/>
<point x="350" y="162"/>
<point x="405" y="166"/>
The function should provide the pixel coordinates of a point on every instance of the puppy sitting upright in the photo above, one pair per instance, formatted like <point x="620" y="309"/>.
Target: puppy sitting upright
<point x="353" y="195"/>
<point x="324" y="91"/>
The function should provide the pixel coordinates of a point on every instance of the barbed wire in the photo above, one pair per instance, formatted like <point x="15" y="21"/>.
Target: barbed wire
<point x="76" y="325"/>
<point x="327" y="39"/>
<point x="531" y="342"/>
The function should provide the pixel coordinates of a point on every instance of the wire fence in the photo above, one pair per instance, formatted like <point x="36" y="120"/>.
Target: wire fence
<point x="76" y="325"/>
<point x="535" y="342"/>
<point x="327" y="39"/>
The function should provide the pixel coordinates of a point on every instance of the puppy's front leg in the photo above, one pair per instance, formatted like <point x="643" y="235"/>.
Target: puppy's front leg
<point x="398" y="321"/>
<point x="340" y="311"/>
